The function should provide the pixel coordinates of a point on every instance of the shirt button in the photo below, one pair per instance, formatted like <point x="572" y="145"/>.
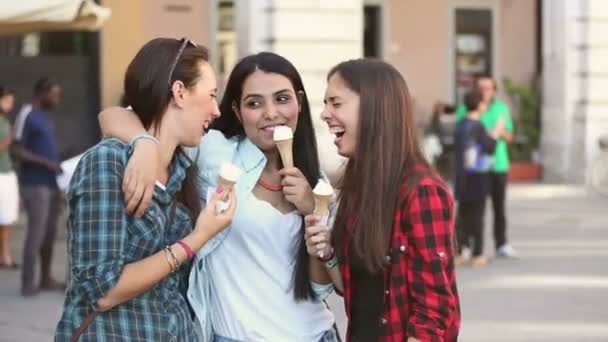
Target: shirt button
<point x="388" y="258"/>
<point x="402" y="248"/>
<point x="387" y="292"/>
<point x="383" y="321"/>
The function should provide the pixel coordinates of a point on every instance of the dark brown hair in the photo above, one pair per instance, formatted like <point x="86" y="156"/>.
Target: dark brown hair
<point x="472" y="100"/>
<point x="5" y="91"/>
<point x="147" y="92"/>
<point x="43" y="85"/>
<point x="387" y="152"/>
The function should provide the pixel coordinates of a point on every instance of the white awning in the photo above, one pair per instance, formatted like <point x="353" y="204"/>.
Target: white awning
<point x="23" y="16"/>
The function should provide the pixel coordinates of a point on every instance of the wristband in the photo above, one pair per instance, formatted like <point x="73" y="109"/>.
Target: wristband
<point x="186" y="248"/>
<point x="332" y="263"/>
<point x="143" y="136"/>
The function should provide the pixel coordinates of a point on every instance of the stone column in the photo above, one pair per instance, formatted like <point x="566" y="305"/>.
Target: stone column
<point x="596" y="72"/>
<point x="575" y="79"/>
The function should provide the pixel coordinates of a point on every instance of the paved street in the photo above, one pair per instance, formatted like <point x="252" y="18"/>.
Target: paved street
<point x="557" y="291"/>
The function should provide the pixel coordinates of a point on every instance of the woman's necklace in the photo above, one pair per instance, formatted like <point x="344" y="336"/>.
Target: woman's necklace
<point x="270" y="186"/>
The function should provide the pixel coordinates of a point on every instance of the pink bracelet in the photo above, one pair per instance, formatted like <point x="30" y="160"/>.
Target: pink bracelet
<point x="186" y="248"/>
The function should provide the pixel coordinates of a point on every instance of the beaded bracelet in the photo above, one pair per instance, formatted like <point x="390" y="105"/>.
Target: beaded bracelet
<point x="172" y="259"/>
<point x="169" y="261"/>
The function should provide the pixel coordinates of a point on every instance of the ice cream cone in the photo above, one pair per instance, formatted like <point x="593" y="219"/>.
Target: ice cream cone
<point x="229" y="174"/>
<point x="226" y="186"/>
<point x="322" y="204"/>
<point x="283" y="138"/>
<point x="322" y="210"/>
<point x="323" y="193"/>
<point x="285" y="148"/>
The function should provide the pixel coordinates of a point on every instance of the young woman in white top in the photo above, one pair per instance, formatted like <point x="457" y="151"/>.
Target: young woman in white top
<point x="255" y="281"/>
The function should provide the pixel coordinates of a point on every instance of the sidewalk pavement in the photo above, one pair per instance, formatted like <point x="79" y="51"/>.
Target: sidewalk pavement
<point x="556" y="291"/>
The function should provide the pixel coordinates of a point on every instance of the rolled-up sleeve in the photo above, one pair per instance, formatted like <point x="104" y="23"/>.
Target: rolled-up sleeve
<point x="322" y="291"/>
<point x="434" y="302"/>
<point x="97" y="223"/>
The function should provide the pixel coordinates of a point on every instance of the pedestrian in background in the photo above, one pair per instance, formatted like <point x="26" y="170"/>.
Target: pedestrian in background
<point x="37" y="151"/>
<point x="496" y="110"/>
<point x="473" y="149"/>
<point x="9" y="189"/>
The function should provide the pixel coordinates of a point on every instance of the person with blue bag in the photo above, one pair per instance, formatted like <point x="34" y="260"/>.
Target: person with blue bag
<point x="474" y="147"/>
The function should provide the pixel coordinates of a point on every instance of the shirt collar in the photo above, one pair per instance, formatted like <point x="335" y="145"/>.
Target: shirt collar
<point x="249" y="155"/>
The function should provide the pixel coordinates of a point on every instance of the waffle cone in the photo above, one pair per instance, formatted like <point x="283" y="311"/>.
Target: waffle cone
<point x="285" y="148"/>
<point x="322" y="205"/>
<point x="226" y="186"/>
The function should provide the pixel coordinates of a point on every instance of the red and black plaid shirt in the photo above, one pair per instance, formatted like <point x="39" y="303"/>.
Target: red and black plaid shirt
<point x="420" y="294"/>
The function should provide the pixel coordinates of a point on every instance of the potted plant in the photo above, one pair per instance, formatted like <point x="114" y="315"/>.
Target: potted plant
<point x="523" y="151"/>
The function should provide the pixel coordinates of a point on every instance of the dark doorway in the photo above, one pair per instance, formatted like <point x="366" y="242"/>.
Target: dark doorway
<point x="73" y="59"/>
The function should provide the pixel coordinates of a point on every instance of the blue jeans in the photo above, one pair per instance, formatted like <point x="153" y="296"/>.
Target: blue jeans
<point x="329" y="336"/>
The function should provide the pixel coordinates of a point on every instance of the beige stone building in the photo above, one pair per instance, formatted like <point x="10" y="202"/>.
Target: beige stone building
<point x="437" y="44"/>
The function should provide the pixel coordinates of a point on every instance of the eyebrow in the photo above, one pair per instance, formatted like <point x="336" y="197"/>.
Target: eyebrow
<point x="260" y="95"/>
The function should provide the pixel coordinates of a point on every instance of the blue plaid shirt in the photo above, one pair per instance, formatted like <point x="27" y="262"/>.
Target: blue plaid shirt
<point x="102" y="239"/>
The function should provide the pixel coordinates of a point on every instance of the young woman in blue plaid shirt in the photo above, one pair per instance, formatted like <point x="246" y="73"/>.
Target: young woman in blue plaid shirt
<point x="128" y="274"/>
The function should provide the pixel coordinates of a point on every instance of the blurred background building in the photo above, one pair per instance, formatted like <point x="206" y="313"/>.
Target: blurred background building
<point x="554" y="50"/>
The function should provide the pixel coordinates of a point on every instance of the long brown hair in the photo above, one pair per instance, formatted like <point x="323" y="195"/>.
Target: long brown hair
<point x="386" y="150"/>
<point x="147" y="91"/>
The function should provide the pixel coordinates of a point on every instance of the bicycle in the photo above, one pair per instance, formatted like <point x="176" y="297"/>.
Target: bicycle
<point x="598" y="172"/>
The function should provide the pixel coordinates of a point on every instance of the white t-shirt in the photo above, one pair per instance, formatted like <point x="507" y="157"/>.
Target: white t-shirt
<point x="251" y="280"/>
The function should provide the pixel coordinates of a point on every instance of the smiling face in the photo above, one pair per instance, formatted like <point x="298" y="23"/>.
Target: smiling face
<point x="341" y="113"/>
<point x="268" y="100"/>
<point x="198" y="106"/>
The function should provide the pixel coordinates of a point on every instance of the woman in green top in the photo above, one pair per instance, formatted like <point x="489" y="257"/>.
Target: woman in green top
<point x="9" y="201"/>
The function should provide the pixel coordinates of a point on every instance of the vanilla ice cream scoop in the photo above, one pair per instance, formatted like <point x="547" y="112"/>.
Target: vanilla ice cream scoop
<point x="282" y="133"/>
<point x="230" y="172"/>
<point x="323" y="188"/>
<point x="229" y="175"/>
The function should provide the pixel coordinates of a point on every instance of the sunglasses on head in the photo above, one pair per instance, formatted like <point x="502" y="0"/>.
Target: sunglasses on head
<point x="184" y="42"/>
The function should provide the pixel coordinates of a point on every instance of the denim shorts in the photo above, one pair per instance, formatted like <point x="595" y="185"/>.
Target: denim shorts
<point x="329" y="336"/>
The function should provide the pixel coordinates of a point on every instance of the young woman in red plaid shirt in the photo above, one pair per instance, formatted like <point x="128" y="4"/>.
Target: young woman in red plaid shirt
<point x="393" y="234"/>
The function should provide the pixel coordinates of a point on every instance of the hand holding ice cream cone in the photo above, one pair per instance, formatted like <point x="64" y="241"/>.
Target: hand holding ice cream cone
<point x="283" y="138"/>
<point x="228" y="176"/>
<point x="323" y="193"/>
